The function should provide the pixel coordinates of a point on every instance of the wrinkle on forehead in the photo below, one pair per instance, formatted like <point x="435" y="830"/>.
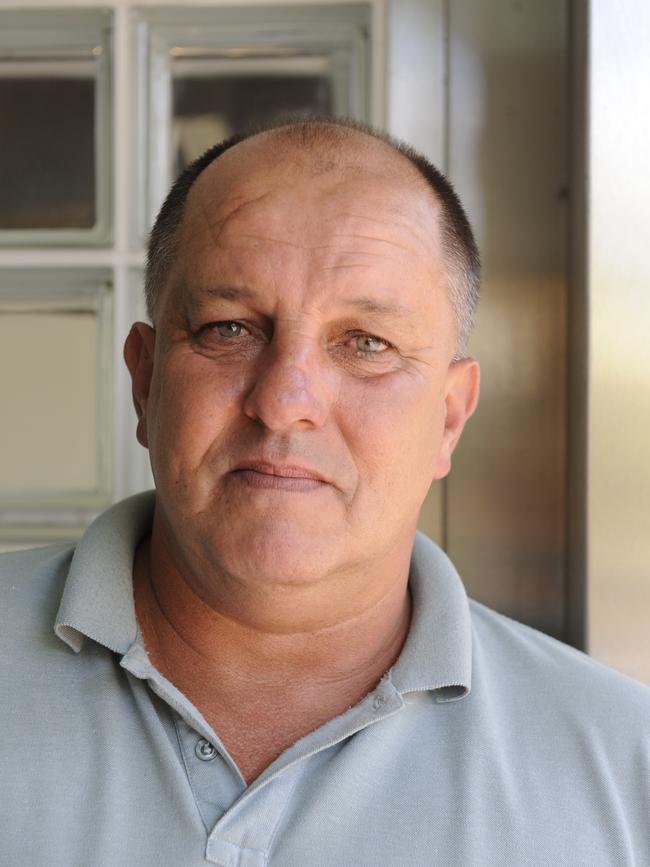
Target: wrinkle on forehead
<point x="253" y="165"/>
<point x="217" y="224"/>
<point x="296" y="245"/>
<point x="343" y="219"/>
<point x="321" y="226"/>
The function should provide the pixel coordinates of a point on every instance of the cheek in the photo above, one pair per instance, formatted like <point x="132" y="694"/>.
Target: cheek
<point x="192" y="404"/>
<point x="393" y="427"/>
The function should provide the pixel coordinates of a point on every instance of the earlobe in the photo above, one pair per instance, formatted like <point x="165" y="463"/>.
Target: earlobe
<point x="461" y="397"/>
<point x="138" y="355"/>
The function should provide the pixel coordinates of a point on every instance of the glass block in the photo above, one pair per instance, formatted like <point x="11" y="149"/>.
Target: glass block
<point x="212" y="98"/>
<point x="48" y="384"/>
<point x="55" y="127"/>
<point x="56" y="343"/>
<point x="210" y="72"/>
<point x="47" y="148"/>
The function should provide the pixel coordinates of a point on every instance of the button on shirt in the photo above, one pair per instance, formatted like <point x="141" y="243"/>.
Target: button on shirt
<point x="487" y="743"/>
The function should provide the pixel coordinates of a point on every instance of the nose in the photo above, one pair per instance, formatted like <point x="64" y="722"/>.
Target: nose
<point x="294" y="388"/>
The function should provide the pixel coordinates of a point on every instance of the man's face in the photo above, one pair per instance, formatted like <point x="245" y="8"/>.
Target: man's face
<point x="300" y="398"/>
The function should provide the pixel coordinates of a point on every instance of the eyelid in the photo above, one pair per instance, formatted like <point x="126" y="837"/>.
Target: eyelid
<point x="354" y="334"/>
<point x="215" y="322"/>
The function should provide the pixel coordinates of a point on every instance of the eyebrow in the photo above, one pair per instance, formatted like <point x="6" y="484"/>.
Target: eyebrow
<point x="363" y="303"/>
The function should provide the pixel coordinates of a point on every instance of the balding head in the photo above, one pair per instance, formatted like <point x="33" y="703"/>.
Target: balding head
<point x="318" y="147"/>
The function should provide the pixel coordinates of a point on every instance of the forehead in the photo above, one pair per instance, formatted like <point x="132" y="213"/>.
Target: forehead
<point x="324" y="224"/>
<point x="304" y="191"/>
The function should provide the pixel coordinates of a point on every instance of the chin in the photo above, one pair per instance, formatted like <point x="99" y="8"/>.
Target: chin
<point x="275" y="555"/>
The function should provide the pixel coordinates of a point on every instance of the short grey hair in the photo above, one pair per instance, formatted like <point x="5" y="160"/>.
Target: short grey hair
<point x="459" y="245"/>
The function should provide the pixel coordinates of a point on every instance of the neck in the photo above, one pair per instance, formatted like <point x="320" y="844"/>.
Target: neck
<point x="267" y="637"/>
<point x="265" y="667"/>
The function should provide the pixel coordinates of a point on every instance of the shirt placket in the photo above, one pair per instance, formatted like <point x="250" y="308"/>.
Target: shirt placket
<point x="244" y="836"/>
<point x="241" y="820"/>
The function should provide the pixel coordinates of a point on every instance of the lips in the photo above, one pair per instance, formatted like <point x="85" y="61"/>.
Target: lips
<point x="278" y="475"/>
<point x="280" y="470"/>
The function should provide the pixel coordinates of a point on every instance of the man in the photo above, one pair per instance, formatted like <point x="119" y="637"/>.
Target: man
<point x="263" y="665"/>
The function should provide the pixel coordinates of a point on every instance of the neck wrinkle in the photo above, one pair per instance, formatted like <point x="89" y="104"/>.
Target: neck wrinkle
<point x="346" y="652"/>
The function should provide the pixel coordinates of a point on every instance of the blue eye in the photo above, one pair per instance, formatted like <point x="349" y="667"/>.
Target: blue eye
<point x="229" y="328"/>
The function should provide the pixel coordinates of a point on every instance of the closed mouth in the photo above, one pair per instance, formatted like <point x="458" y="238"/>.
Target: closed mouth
<point x="268" y="476"/>
<point x="283" y="471"/>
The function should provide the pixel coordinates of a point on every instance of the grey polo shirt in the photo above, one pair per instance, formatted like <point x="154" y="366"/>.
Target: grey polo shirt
<point x="487" y="743"/>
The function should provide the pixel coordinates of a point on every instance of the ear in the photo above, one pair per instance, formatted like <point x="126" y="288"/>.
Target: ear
<point x="139" y="354"/>
<point x="461" y="396"/>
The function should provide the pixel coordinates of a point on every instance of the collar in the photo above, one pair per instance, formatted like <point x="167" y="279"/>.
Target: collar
<point x="437" y="654"/>
<point x="97" y="602"/>
<point x="97" y="599"/>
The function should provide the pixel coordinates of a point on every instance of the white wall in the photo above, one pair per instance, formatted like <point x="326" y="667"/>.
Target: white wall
<point x="618" y="280"/>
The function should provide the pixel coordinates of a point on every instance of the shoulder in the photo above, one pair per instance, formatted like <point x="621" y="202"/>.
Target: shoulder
<point x="31" y="584"/>
<point x="522" y="662"/>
